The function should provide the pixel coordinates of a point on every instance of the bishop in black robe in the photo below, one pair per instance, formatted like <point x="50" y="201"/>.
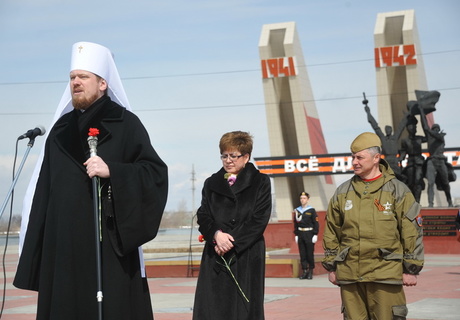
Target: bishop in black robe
<point x="59" y="255"/>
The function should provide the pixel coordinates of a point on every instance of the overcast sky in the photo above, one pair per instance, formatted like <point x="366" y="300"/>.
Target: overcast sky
<point x="191" y="71"/>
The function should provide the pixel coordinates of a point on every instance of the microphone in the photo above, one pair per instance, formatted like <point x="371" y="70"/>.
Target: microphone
<point x="33" y="133"/>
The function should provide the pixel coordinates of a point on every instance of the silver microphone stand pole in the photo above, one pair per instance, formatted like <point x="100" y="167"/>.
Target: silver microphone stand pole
<point x="16" y="177"/>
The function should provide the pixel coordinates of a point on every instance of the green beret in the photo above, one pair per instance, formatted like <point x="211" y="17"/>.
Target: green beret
<point x="364" y="141"/>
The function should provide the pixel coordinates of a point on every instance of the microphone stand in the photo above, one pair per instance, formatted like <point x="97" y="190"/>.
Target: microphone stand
<point x="16" y="177"/>
<point x="92" y="142"/>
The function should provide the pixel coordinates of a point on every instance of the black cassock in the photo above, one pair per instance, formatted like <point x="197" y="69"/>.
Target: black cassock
<point x="58" y="258"/>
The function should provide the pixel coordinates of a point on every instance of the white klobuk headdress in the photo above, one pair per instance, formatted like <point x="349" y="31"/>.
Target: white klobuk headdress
<point x="90" y="57"/>
<point x="97" y="59"/>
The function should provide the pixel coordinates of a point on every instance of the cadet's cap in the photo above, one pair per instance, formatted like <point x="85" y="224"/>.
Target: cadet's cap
<point x="364" y="141"/>
<point x="303" y="193"/>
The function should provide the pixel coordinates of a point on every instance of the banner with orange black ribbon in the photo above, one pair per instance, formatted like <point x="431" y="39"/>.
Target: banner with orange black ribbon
<point x="326" y="164"/>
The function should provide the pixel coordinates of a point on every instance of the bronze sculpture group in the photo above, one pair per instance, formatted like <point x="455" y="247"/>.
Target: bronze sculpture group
<point x="435" y="168"/>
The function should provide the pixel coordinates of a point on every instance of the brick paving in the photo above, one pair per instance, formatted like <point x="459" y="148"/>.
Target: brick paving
<point x="436" y="297"/>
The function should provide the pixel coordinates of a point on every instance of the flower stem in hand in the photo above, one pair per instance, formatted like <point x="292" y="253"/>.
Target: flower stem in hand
<point x="227" y="266"/>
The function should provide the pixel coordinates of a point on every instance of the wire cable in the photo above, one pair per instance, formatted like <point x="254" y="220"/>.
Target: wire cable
<point x="220" y="72"/>
<point x="245" y="105"/>
<point x="8" y="233"/>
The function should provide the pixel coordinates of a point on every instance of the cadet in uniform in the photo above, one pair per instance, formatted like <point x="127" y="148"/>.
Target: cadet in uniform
<point x="306" y="229"/>
<point x="373" y="237"/>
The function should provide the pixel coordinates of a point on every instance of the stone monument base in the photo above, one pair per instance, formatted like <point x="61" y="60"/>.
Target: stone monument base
<point x="439" y="232"/>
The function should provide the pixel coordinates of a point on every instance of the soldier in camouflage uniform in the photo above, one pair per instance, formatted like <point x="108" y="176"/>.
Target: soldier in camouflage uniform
<point x="373" y="237"/>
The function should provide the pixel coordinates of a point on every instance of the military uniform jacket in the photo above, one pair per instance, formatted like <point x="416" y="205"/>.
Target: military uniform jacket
<point x="373" y="231"/>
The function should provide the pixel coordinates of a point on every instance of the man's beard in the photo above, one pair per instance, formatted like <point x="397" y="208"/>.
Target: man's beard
<point x="83" y="103"/>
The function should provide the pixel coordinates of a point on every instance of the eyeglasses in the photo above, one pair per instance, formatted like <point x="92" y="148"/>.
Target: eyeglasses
<point x="232" y="157"/>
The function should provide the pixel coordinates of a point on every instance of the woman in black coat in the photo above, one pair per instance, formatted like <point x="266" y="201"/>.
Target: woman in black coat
<point x="235" y="209"/>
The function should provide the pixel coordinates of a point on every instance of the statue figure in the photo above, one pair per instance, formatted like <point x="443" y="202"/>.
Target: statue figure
<point x="390" y="142"/>
<point x="412" y="148"/>
<point x="437" y="167"/>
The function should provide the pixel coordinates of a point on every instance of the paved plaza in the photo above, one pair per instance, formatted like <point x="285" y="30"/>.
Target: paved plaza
<point x="436" y="297"/>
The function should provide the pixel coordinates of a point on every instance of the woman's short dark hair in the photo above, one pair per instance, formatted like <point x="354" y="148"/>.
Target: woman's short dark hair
<point x="239" y="140"/>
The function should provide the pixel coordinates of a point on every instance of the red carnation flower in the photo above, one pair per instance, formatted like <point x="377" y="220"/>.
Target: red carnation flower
<point x="93" y="132"/>
<point x="201" y="238"/>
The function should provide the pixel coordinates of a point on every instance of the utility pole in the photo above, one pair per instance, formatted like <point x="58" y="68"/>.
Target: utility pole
<point x="191" y="267"/>
<point x="193" y="189"/>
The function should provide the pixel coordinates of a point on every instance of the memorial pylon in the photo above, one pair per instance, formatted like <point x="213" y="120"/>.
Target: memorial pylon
<point x="294" y="126"/>
<point x="399" y="66"/>
<point x="400" y="71"/>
